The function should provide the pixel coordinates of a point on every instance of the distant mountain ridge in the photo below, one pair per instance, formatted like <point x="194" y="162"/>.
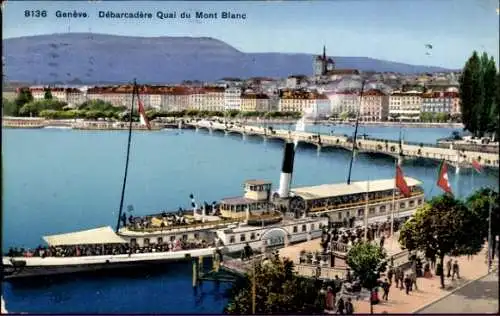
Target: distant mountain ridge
<point x="91" y="58"/>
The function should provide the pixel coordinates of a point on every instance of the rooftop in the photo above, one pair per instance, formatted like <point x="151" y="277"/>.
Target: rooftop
<point x="258" y="182"/>
<point x="239" y="200"/>
<point x="340" y="189"/>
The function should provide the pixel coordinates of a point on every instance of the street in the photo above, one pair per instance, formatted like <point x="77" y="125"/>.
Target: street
<point x="478" y="297"/>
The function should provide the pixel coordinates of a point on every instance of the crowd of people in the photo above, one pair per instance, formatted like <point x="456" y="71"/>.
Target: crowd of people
<point x="107" y="249"/>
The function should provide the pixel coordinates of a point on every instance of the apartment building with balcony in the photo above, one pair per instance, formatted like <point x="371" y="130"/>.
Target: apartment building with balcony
<point x="232" y="98"/>
<point x="374" y="106"/>
<point x="344" y="102"/>
<point x="405" y="105"/>
<point x="304" y="102"/>
<point x="254" y="102"/>
<point x="441" y="102"/>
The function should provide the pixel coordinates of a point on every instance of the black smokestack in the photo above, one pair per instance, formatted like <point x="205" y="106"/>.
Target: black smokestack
<point x="287" y="170"/>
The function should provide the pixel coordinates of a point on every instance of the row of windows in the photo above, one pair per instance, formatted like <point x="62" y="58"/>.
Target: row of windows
<point x="253" y="236"/>
<point x="381" y="209"/>
<point x="147" y="241"/>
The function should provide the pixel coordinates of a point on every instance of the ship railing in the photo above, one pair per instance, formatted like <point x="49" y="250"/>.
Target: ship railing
<point x="363" y="202"/>
<point x="320" y="272"/>
<point x="178" y="227"/>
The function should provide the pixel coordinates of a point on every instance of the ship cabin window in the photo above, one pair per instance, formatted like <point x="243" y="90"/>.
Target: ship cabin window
<point x="232" y="240"/>
<point x="382" y="209"/>
<point x="339" y="215"/>
<point x="242" y="237"/>
<point x="412" y="203"/>
<point x="419" y="201"/>
<point x="371" y="210"/>
<point x="295" y="229"/>
<point x="172" y="238"/>
<point x="146" y="242"/>
<point x="159" y="240"/>
<point x="304" y="228"/>
<point x="361" y="212"/>
<point x="312" y="226"/>
<point x="402" y="205"/>
<point x="252" y="236"/>
<point x="320" y="225"/>
<point x="196" y="235"/>
<point x="133" y="242"/>
<point x="184" y="237"/>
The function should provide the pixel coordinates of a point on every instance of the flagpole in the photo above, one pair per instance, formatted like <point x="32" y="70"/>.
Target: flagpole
<point x="393" y="197"/>
<point x="366" y="208"/>
<point x="354" y="140"/>
<point x="134" y="90"/>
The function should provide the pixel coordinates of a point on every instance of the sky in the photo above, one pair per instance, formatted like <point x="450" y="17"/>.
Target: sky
<point x="395" y="30"/>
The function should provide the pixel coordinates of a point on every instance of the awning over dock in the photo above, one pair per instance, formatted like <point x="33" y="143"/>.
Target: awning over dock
<point x="102" y="235"/>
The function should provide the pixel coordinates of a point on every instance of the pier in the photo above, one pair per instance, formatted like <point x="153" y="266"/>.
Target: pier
<point x="316" y="269"/>
<point x="456" y="158"/>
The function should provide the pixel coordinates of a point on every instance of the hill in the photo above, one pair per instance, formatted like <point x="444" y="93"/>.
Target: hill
<point x="76" y="58"/>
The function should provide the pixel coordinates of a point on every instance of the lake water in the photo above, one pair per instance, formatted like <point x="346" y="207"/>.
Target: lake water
<point x="57" y="181"/>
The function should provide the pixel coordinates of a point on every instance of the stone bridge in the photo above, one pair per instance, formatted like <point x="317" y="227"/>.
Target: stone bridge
<point x="457" y="158"/>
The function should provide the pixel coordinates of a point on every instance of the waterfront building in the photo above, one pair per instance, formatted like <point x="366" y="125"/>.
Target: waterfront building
<point x="151" y="97"/>
<point x="304" y="101"/>
<point x="254" y="102"/>
<point x="232" y="98"/>
<point x="344" y="102"/>
<point x="405" y="105"/>
<point x="440" y="102"/>
<point x="196" y="99"/>
<point x="75" y="96"/>
<point x="296" y="82"/>
<point x="175" y="98"/>
<point x="213" y="99"/>
<point x="374" y="106"/>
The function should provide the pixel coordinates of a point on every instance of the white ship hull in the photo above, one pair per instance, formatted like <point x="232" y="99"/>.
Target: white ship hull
<point x="37" y="266"/>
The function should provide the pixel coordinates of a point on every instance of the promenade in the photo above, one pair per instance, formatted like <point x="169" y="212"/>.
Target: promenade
<point x="429" y="289"/>
<point x="457" y="158"/>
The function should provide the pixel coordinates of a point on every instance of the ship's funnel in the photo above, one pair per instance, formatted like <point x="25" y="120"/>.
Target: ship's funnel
<point x="286" y="170"/>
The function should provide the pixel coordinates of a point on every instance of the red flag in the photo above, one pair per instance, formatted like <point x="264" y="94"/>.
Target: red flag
<point x="401" y="182"/>
<point x="476" y="165"/>
<point x="442" y="180"/>
<point x="142" y="114"/>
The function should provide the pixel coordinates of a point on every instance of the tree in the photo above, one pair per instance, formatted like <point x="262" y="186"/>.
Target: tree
<point x="479" y="203"/>
<point x="278" y="290"/>
<point x="367" y="261"/>
<point x="489" y="73"/>
<point x="478" y="95"/>
<point x="48" y="94"/>
<point x="23" y="96"/>
<point x="443" y="226"/>
<point x="10" y="108"/>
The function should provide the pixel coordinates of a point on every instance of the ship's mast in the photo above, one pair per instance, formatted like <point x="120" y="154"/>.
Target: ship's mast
<point x="354" y="140"/>
<point x="120" y="211"/>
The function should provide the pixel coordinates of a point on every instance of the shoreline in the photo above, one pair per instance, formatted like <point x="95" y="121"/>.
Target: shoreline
<point x="29" y="123"/>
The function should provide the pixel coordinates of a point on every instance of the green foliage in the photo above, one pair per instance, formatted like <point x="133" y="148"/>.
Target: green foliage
<point x="47" y="95"/>
<point x="367" y="260"/>
<point x="33" y="108"/>
<point x="24" y="96"/>
<point x="479" y="203"/>
<point x="278" y="291"/>
<point x="479" y="94"/>
<point x="443" y="226"/>
<point x="9" y="108"/>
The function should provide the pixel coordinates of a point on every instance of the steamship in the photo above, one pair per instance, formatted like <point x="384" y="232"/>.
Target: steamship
<point x="260" y="218"/>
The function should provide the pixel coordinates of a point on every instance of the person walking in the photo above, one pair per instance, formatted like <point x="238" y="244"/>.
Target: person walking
<point x="413" y="277"/>
<point x="396" y="277"/>
<point x="340" y="306"/>
<point x="390" y="274"/>
<point x="448" y="268"/>
<point x="349" y="308"/>
<point x="385" y="286"/>
<point x="456" y="270"/>
<point x="407" y="283"/>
